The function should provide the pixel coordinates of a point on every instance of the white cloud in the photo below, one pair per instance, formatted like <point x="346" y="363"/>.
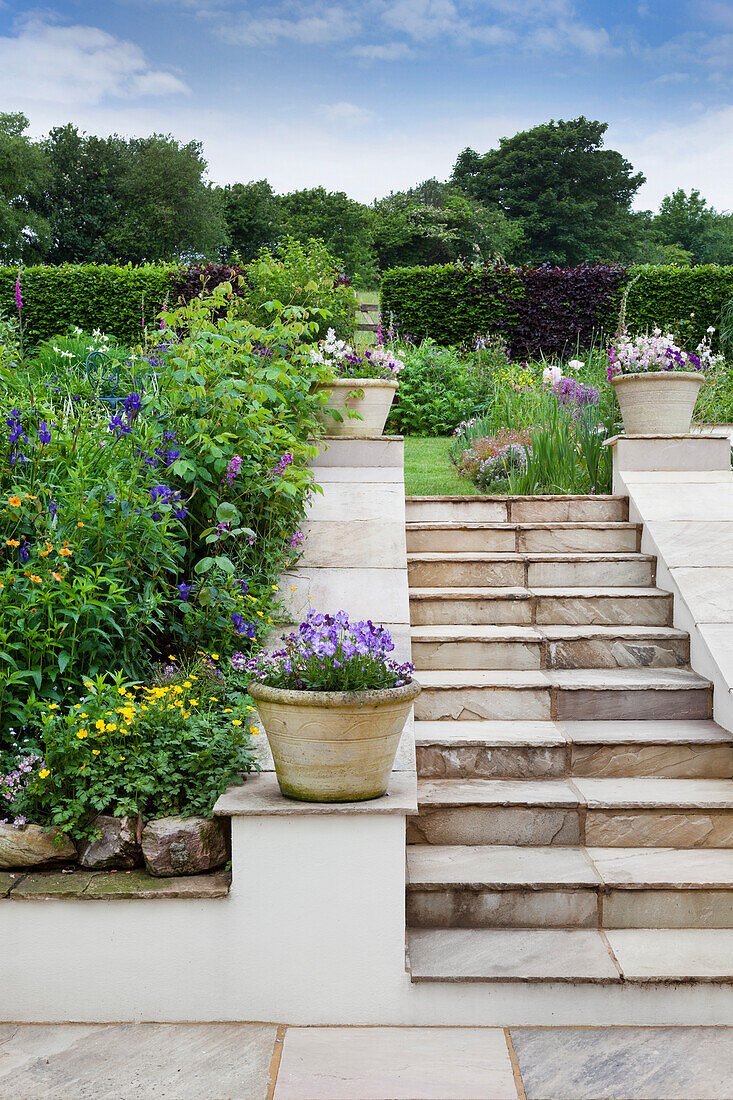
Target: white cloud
<point x="321" y="25"/>
<point x="346" y="112"/>
<point x="387" y="51"/>
<point x="707" y="142"/>
<point x="77" y="64"/>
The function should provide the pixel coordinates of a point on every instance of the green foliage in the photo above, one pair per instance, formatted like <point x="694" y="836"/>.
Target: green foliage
<point x="437" y="223"/>
<point x="438" y="387"/>
<point x="24" y="232"/>
<point x="254" y="218"/>
<point x="145" y="752"/>
<point x="343" y="225"/>
<point x="452" y="304"/>
<point x="303" y="275"/>
<point x="571" y="195"/>
<point x="139" y="200"/>
<point x="112" y="298"/>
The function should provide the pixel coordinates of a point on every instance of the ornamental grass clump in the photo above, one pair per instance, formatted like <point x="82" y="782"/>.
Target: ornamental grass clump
<point x="329" y="653"/>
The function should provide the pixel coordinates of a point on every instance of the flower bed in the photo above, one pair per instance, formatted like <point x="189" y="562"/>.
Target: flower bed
<point x="151" y="499"/>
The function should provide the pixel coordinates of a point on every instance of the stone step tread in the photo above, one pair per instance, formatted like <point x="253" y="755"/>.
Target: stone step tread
<point x="457" y="733"/>
<point x="571" y="679"/>
<point x="637" y="793"/>
<point x="519" y="593"/>
<point x="572" y="557"/>
<point x="510" y="632"/>
<point x="505" y="867"/>
<point x="520" y="525"/>
<point x="481" y="497"/>
<point x="645" y="955"/>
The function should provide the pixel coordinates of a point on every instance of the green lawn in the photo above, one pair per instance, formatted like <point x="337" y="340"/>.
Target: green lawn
<point x="428" y="471"/>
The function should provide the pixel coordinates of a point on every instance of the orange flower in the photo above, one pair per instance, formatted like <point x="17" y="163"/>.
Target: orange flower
<point x="56" y="576"/>
<point x="35" y="579"/>
<point x="14" y="502"/>
<point x="12" y="542"/>
<point x="65" y="553"/>
<point x="80" y="525"/>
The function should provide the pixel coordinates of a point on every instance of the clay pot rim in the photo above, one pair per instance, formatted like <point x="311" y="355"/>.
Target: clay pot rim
<point x="644" y="375"/>
<point x="358" y="384"/>
<point x="331" y="699"/>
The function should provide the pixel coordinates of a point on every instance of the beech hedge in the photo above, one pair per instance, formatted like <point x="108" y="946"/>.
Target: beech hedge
<point x="550" y="309"/>
<point x="114" y="298"/>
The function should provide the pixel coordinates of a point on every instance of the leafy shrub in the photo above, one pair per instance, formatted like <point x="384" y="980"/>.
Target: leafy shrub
<point x="304" y="275"/>
<point x="132" y="750"/>
<point x="491" y="460"/>
<point x="119" y="300"/>
<point x="550" y="310"/>
<point x="440" y="386"/>
<point x="162" y="521"/>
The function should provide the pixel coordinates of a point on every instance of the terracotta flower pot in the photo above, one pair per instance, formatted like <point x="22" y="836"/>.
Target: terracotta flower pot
<point x="374" y="406"/>
<point x="657" y="402"/>
<point x="333" y="746"/>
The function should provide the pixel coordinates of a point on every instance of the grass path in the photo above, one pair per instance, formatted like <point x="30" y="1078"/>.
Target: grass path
<point x="428" y="471"/>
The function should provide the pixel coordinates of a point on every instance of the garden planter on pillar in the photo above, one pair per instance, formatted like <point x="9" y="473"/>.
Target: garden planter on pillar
<point x="333" y="746"/>
<point x="345" y="394"/>
<point x="657" y="402"/>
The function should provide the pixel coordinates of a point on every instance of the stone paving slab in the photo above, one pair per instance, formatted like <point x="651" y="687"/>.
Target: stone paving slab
<point x="377" y="1063"/>
<point x="136" y="1062"/>
<point x="625" y="1063"/>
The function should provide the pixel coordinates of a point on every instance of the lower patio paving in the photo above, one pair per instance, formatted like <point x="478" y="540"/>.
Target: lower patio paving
<point x="270" y="1062"/>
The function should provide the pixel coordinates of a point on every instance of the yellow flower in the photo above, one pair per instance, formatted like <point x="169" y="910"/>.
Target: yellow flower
<point x="185" y="714"/>
<point x="14" y="502"/>
<point x="83" y="713"/>
<point x="95" y="752"/>
<point x="194" y="678"/>
<point x="187" y="683"/>
<point x="178" y="690"/>
<point x="82" y="735"/>
<point x="122" y="758"/>
<point x="236" y="722"/>
<point x="53" y="706"/>
<point x="44" y="774"/>
<point x="110" y="727"/>
<point x="275" y="588"/>
<point x="213" y="699"/>
<point x="254" y="730"/>
<point x="215" y="656"/>
<point x="193" y="702"/>
<point x="227" y="710"/>
<point x="12" y="542"/>
<point x="99" y="724"/>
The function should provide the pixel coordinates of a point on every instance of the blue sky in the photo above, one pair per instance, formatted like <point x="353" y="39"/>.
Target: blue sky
<point x="369" y="96"/>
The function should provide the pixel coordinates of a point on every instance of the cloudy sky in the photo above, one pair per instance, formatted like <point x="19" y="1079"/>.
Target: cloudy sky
<point x="369" y="96"/>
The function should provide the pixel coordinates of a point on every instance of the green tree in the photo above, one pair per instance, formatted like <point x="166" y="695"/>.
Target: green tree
<point x="437" y="223"/>
<point x="344" y="226"/>
<point x="254" y="217"/>
<point x="570" y="194"/>
<point x="166" y="210"/>
<point x="688" y="222"/>
<point x="81" y="197"/>
<point x="24" y="232"/>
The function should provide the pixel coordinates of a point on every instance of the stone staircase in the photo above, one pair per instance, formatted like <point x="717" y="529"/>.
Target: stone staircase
<point x="575" y="798"/>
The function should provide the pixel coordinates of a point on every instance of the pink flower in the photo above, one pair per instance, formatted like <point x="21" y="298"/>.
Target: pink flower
<point x="18" y="299"/>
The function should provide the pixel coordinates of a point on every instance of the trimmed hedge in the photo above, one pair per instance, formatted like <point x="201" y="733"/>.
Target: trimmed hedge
<point x="108" y="297"/>
<point x="549" y="309"/>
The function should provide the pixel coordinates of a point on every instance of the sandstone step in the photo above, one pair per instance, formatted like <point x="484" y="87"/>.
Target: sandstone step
<point x="596" y="606"/>
<point x="531" y="647"/>
<point x="618" y="813"/>
<point x="456" y="886"/>
<point x="537" y="509"/>
<point x="571" y="955"/>
<point x="545" y="694"/>
<point x="446" y="536"/>
<point x="673" y="749"/>
<point x="492" y="750"/>
<point x="468" y="569"/>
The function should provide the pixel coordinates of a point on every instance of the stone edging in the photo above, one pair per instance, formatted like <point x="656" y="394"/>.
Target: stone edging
<point x="81" y="885"/>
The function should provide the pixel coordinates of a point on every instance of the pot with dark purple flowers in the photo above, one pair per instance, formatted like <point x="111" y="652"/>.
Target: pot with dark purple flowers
<point x="657" y="382"/>
<point x="333" y="704"/>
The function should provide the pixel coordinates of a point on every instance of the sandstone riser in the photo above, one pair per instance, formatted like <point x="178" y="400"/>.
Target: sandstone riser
<point x="534" y="509"/>
<point x="451" y="572"/>
<point x="611" y="652"/>
<point x="578" y="538"/>
<point x="518" y="606"/>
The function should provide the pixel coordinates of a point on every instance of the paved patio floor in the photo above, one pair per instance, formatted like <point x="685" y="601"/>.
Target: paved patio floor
<point x="267" y="1062"/>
